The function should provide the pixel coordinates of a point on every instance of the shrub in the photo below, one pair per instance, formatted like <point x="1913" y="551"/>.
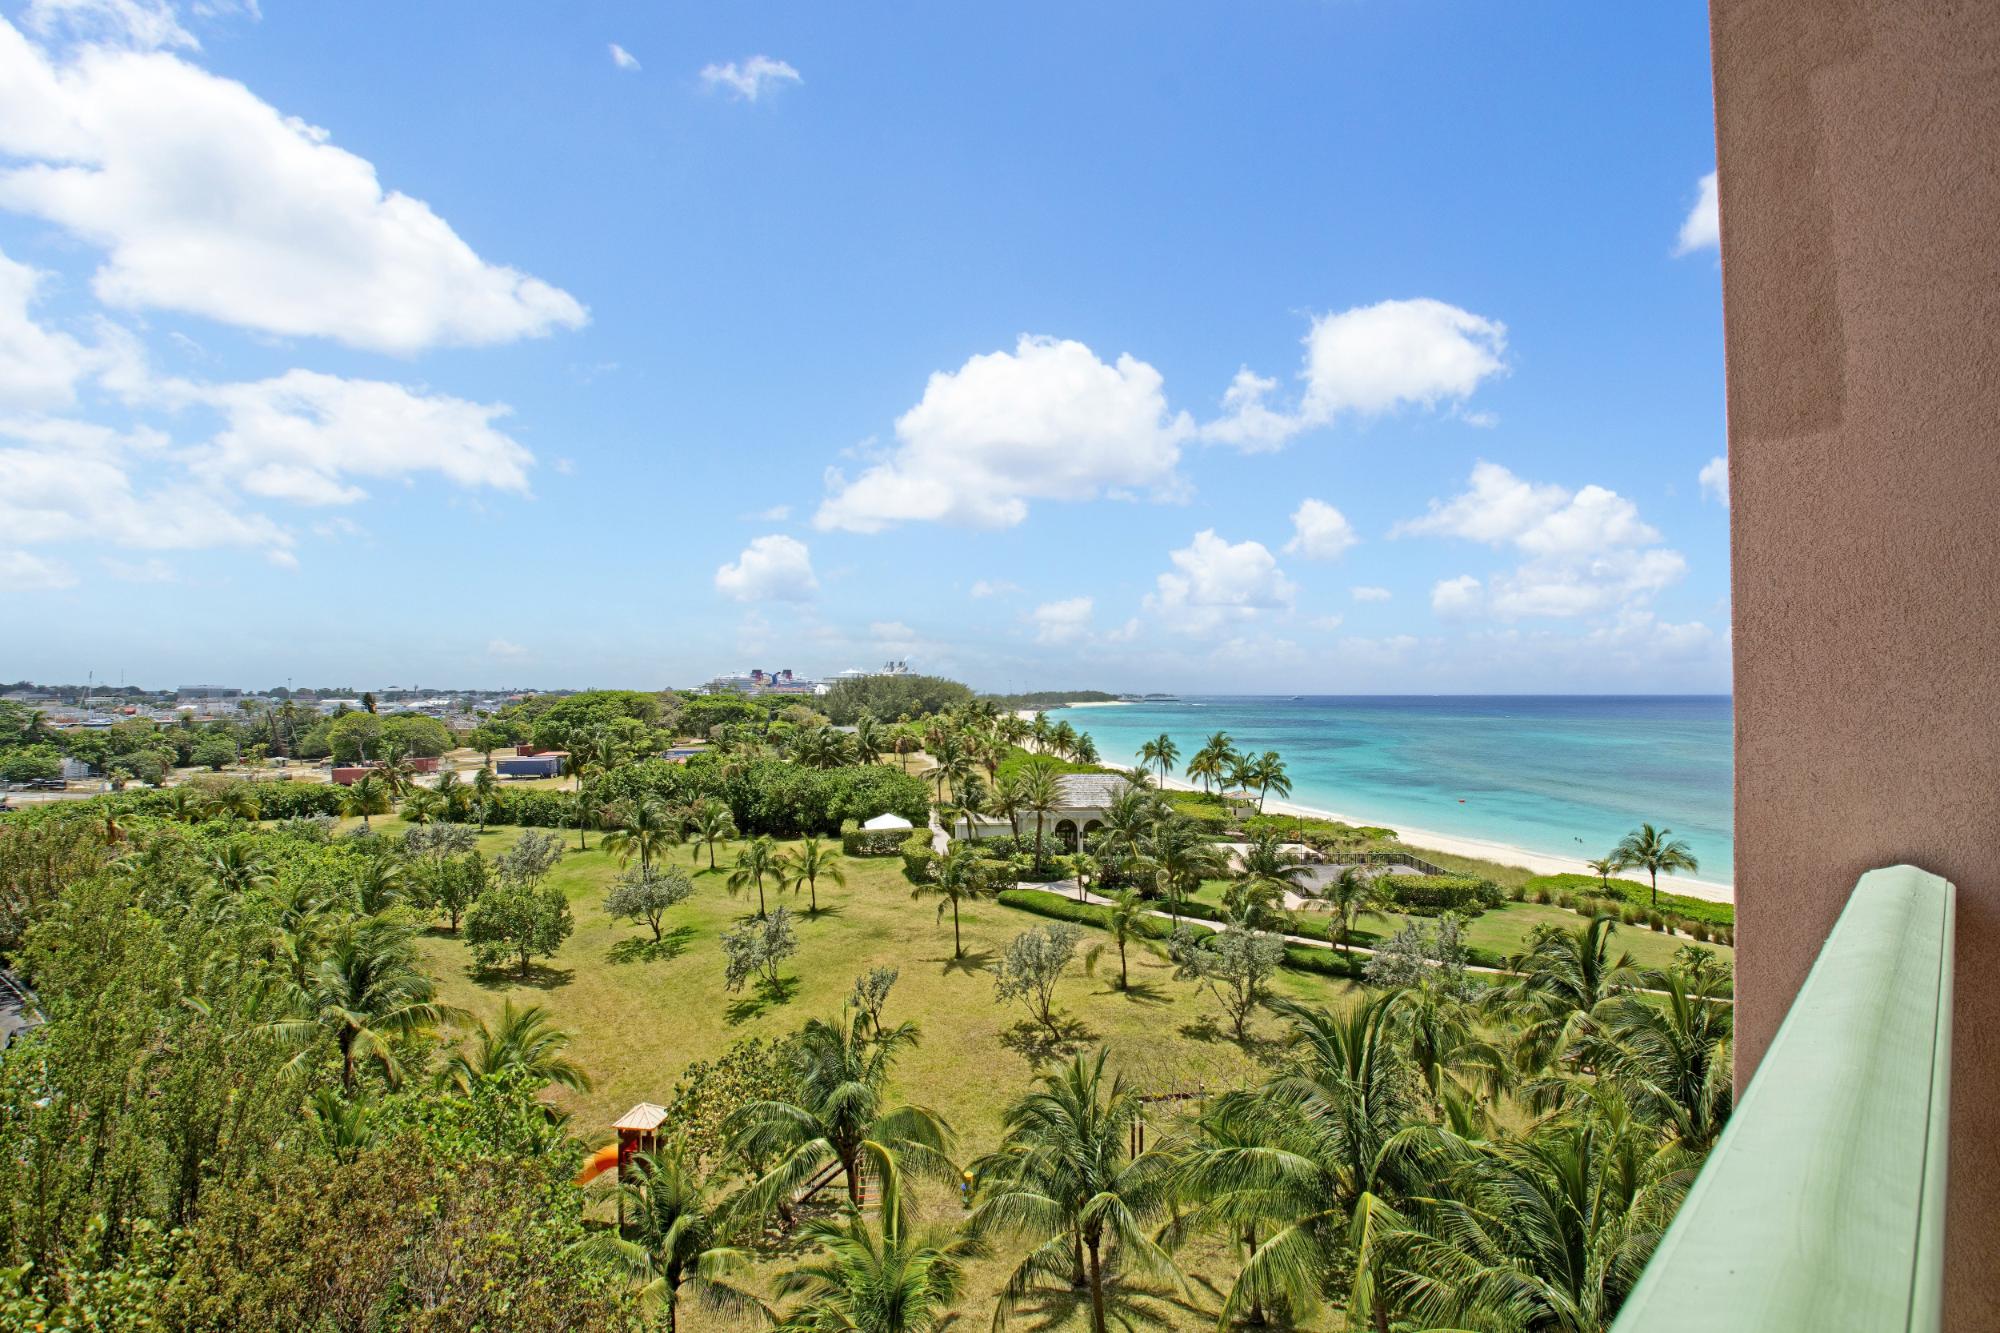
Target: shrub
<point x="1432" y="895"/>
<point x="919" y="860"/>
<point x="1518" y="894"/>
<point x="857" y="841"/>
<point x="1638" y="893"/>
<point x="1542" y="896"/>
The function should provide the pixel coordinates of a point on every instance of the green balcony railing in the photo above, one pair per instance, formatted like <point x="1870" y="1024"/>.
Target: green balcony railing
<point x="1822" y="1205"/>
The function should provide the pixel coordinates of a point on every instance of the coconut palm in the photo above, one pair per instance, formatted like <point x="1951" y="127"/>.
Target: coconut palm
<point x="969" y="802"/>
<point x="185" y="805"/>
<point x="485" y="787"/>
<point x="1125" y="921"/>
<point x="1605" y="867"/>
<point x="961" y="876"/>
<point x="1180" y="857"/>
<point x="521" y="1041"/>
<point x="235" y="870"/>
<point x="1441" y="1030"/>
<point x="754" y="860"/>
<point x="368" y="988"/>
<point x="865" y="1280"/>
<point x="235" y="801"/>
<point x="1654" y="850"/>
<point x="867" y="741"/>
<point x="953" y="763"/>
<point x="1065" y="1184"/>
<point x="1041" y="794"/>
<point x="421" y="806"/>
<point x="1350" y="896"/>
<point x="1062" y="740"/>
<point x="812" y="862"/>
<point x="379" y="885"/>
<point x="1265" y="873"/>
<point x="1561" y="980"/>
<point x="841" y="1123"/>
<point x="710" y="822"/>
<point x="364" y="797"/>
<point x="1670" y="1053"/>
<point x="646" y="826"/>
<point x="671" y="1247"/>
<point x="1161" y="750"/>
<point x="1004" y="799"/>
<point x="1084" y="749"/>
<point x="397" y="773"/>
<point x="1268" y="772"/>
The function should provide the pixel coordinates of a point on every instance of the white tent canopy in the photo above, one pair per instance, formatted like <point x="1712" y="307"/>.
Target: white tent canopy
<point x="888" y="821"/>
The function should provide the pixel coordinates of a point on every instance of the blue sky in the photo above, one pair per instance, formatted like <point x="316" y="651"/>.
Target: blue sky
<point x="1302" y="346"/>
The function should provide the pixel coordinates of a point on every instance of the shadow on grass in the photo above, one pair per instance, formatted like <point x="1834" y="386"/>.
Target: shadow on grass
<point x="824" y="909"/>
<point x="1263" y="1049"/>
<point x="764" y="997"/>
<point x="639" y="949"/>
<point x="1126" y="1305"/>
<point x="976" y="960"/>
<point x="1138" y="992"/>
<point x="538" y="977"/>
<point x="1038" y="1044"/>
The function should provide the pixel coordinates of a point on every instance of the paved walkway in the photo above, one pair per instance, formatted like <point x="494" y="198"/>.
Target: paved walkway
<point x="17" y="1010"/>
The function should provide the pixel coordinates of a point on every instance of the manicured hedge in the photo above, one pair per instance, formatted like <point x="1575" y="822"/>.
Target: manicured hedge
<point x="858" y="841"/>
<point x="1300" y="957"/>
<point x="918" y="857"/>
<point x="1434" y="895"/>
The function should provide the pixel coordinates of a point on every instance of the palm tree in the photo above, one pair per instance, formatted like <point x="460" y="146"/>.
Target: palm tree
<point x="1064" y="1182"/>
<point x="379" y="886"/>
<point x="522" y="1040"/>
<point x="235" y="801"/>
<point x="364" y="797"/>
<point x="1654" y="850"/>
<point x="1605" y="867"/>
<point x="711" y="823"/>
<point x="672" y="1240"/>
<point x="1562" y="978"/>
<point x="867" y="739"/>
<point x="962" y="876"/>
<point x="1160" y="750"/>
<point x="756" y="859"/>
<point x="368" y="989"/>
<point x="1311" y="1159"/>
<point x="841" y="1118"/>
<point x="969" y="803"/>
<point x="1265" y="874"/>
<point x="184" y="805"/>
<point x="1441" y="1031"/>
<point x="235" y="871"/>
<point x="485" y="786"/>
<point x="1670" y="1053"/>
<point x="1041" y="793"/>
<point x="422" y="806"/>
<point x="647" y="827"/>
<point x="1062" y="740"/>
<point x="865" y="1281"/>
<point x="1268" y="772"/>
<point x="812" y="862"/>
<point x="1350" y="896"/>
<point x="953" y="765"/>
<point x="1125" y="920"/>
<point x="1181" y="857"/>
<point x="1005" y="799"/>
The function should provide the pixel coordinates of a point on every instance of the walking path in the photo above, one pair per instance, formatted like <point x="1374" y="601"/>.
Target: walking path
<point x="17" y="1009"/>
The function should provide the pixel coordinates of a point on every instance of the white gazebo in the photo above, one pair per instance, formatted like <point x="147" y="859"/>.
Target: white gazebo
<point x="888" y="822"/>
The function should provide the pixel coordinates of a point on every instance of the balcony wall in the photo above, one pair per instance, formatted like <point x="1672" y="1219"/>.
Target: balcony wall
<point x="1858" y="151"/>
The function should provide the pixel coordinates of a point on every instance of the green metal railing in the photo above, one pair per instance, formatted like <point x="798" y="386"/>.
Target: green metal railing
<point x="1822" y="1205"/>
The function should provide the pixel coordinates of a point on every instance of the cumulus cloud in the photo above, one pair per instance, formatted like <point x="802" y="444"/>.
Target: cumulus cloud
<point x="302" y="435"/>
<point x="750" y="79"/>
<point x="1062" y="622"/>
<point x="1367" y="361"/>
<point x="1046" y="421"/>
<point x="51" y="494"/>
<point x="1587" y="551"/>
<point x="1363" y="592"/>
<point x="145" y="24"/>
<point x="209" y="201"/>
<point x="622" y="58"/>
<point x="776" y="568"/>
<point x="1320" y="532"/>
<point x="1715" y="480"/>
<point x="28" y="572"/>
<point x="1702" y="228"/>
<point x="1214" y="582"/>
<point x="39" y="367"/>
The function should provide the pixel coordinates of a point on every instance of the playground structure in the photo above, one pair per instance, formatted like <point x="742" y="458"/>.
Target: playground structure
<point x="638" y="1132"/>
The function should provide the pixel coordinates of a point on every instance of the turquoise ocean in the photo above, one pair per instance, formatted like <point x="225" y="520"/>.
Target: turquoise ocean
<point x="1562" y="775"/>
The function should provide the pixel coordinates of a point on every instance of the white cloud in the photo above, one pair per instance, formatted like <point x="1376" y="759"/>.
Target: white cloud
<point x="775" y="568"/>
<point x="1215" y="581"/>
<point x="38" y="366"/>
<point x="994" y="588"/>
<point x="752" y="78"/>
<point x="1702" y="228"/>
<point x="1320" y="532"/>
<point x="207" y="200"/>
<point x="52" y="495"/>
<point x="1047" y="421"/>
<point x="1586" y="551"/>
<point x="25" y="571"/>
<point x="302" y="435"/>
<point x="1366" y="593"/>
<point x="1368" y="361"/>
<point x="1454" y="597"/>
<point x="622" y="58"/>
<point x="1715" y="480"/>
<point x="1062" y="622"/>
<point x="145" y="24"/>
<point x="505" y="648"/>
<point x="775" y="514"/>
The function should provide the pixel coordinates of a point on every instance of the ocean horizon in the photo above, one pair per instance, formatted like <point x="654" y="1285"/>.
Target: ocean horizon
<point x="1559" y="775"/>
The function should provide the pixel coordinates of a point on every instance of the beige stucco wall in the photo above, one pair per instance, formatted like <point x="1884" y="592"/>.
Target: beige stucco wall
<point x="1860" y="164"/>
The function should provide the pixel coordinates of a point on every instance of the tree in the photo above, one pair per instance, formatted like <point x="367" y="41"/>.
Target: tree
<point x="529" y="861"/>
<point x="871" y="993"/>
<point x="364" y="797"/>
<point x="422" y="806"/>
<point x="757" y="948"/>
<point x="216" y="751"/>
<point x="1654" y="850"/>
<point x="1604" y="867"/>
<point x="1180" y="857"/>
<point x="1268" y="772"/>
<point x="673" y="1240"/>
<point x="840" y="1114"/>
<point x="368" y="989"/>
<point x="1233" y="964"/>
<point x="485" y="793"/>
<point x="869" y="1280"/>
<point x="1004" y="798"/>
<point x="1266" y="873"/>
<point x="1561" y="980"/>
<point x="645" y="826"/>
<point x="449" y="884"/>
<point x="521" y="1042"/>
<point x="1125" y="919"/>
<point x="1160" y="750"/>
<point x="648" y="896"/>
<point x="868" y="740"/>
<point x="1349" y="896"/>
<point x="1064" y="1183"/>
<point x="1034" y="962"/>
<point x="488" y="737"/>
<point x="756" y="859"/>
<point x="711" y="823"/>
<point x="961" y="876"/>
<point x="1041" y="794"/>
<point x="513" y="919"/>
<point x="808" y="865"/>
<point x="1670" y="1053"/>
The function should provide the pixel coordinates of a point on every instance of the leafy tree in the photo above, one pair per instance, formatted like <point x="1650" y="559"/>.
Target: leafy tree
<point x="216" y="751"/>
<point x="448" y="885"/>
<point x="758" y="858"/>
<point x="960" y="876"/>
<point x="812" y="862"/>
<point x="648" y="896"/>
<point x="871" y="993"/>
<point x="1654" y="850"/>
<point x="673" y="1241"/>
<point x="513" y="919"/>
<point x="1065" y="1184"/>
<point x="30" y="763"/>
<point x="757" y="948"/>
<point x="520" y="1042"/>
<point x="528" y="862"/>
<point x="1234" y="965"/>
<point x="1034" y="962"/>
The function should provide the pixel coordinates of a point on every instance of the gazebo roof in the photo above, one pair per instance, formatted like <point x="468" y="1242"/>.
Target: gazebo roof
<point x="888" y="821"/>
<point x="642" y="1118"/>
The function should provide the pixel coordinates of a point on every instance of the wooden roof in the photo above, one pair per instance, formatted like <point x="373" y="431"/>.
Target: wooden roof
<point x="642" y="1118"/>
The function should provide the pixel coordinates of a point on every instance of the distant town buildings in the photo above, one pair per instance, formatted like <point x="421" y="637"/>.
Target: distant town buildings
<point x="758" y="681"/>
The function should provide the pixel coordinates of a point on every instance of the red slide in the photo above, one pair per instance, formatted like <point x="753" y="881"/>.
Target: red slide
<point x="600" y="1161"/>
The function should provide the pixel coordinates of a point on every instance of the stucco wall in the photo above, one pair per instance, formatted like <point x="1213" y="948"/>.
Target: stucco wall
<point x="1859" y="151"/>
